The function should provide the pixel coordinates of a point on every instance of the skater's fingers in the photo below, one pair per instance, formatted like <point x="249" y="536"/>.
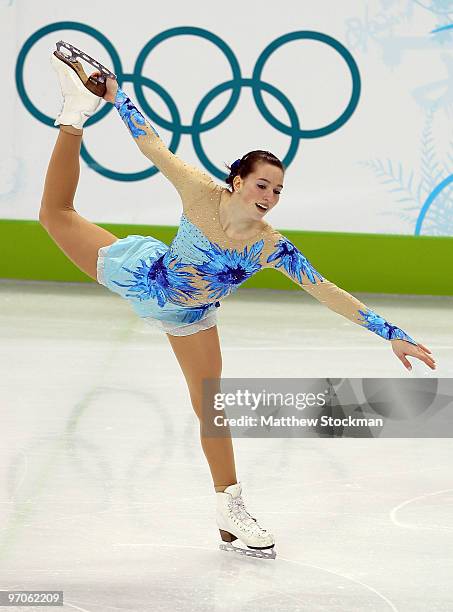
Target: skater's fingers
<point x="426" y="349"/>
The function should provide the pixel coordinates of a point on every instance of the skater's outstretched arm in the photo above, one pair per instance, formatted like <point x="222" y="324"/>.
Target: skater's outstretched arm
<point x="191" y="183"/>
<point x="280" y="253"/>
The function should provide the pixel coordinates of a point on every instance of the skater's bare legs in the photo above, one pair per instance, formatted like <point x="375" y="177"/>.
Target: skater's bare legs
<point x="78" y="238"/>
<point x="199" y="357"/>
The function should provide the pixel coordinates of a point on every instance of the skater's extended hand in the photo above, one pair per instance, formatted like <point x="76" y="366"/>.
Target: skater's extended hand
<point x="401" y="348"/>
<point x="111" y="88"/>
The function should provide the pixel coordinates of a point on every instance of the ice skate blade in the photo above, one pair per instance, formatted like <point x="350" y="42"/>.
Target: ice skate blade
<point x="73" y="52"/>
<point x="70" y="56"/>
<point x="248" y="552"/>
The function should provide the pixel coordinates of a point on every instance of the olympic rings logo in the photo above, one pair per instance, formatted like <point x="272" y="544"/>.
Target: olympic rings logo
<point x="198" y="127"/>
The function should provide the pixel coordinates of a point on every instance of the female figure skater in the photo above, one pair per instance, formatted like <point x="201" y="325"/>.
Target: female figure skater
<point x="222" y="240"/>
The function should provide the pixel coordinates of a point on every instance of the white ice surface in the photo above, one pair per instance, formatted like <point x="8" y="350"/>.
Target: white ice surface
<point x="106" y="495"/>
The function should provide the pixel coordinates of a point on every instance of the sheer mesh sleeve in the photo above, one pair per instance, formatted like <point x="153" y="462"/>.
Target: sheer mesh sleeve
<point x="280" y="253"/>
<point x="191" y="183"/>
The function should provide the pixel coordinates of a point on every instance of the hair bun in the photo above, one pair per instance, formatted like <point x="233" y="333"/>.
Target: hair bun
<point x="235" y="166"/>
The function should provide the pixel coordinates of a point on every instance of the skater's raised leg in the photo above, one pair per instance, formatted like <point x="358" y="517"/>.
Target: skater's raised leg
<point x="78" y="238"/>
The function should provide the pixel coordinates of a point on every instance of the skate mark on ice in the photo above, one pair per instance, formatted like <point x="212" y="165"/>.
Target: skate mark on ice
<point x="405" y="525"/>
<point x="389" y="603"/>
<point x="355" y="580"/>
<point x="66" y="603"/>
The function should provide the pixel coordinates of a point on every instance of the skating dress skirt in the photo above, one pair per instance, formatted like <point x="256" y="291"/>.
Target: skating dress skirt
<point x="136" y="268"/>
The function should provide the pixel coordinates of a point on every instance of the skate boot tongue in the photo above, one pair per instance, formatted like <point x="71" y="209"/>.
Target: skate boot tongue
<point x="234" y="490"/>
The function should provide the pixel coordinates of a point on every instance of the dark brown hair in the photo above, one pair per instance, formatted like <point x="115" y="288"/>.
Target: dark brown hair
<point x="245" y="166"/>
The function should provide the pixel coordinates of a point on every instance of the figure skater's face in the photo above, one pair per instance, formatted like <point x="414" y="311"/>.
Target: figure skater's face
<point x="260" y="190"/>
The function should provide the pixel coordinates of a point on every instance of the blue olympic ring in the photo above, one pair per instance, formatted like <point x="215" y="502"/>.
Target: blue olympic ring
<point x="442" y="28"/>
<point x="198" y="127"/>
<point x="429" y="200"/>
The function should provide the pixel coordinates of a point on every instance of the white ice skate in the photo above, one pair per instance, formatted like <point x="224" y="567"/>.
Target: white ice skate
<point x="235" y="523"/>
<point x="81" y="93"/>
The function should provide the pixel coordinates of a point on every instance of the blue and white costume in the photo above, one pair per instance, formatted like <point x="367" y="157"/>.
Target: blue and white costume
<point x="180" y="286"/>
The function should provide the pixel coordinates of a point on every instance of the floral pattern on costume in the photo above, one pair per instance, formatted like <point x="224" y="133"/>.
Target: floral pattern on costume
<point x="383" y="328"/>
<point x="158" y="280"/>
<point x="195" y="314"/>
<point x="226" y="269"/>
<point x="292" y="260"/>
<point x="128" y="111"/>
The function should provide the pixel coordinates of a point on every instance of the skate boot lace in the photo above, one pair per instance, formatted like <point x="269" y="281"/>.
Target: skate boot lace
<point x="239" y="512"/>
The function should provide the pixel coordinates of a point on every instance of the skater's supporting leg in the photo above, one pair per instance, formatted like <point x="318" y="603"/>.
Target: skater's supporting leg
<point x="79" y="239"/>
<point x="199" y="357"/>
